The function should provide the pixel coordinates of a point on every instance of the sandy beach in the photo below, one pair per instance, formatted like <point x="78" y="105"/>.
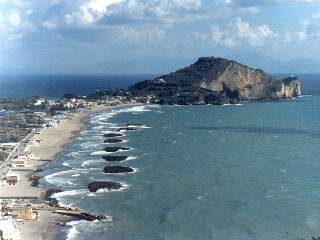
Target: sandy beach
<point x="48" y="142"/>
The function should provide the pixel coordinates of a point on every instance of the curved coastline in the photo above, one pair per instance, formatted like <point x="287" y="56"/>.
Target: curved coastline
<point x="52" y="142"/>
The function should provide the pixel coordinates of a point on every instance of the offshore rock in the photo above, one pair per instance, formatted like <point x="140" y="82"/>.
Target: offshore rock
<point x="95" y="186"/>
<point x="127" y="129"/>
<point x="118" y="169"/>
<point x="113" y="140"/>
<point x="111" y="135"/>
<point x="111" y="158"/>
<point x="115" y="149"/>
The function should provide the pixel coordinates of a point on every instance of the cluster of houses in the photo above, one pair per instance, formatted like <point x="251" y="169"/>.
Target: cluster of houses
<point x="84" y="102"/>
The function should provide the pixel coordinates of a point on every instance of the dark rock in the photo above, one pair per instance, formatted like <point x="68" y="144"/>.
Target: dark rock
<point x="113" y="135"/>
<point x="127" y="129"/>
<point x="81" y="215"/>
<point x="95" y="186"/>
<point x="233" y="101"/>
<point x="35" y="180"/>
<point x="118" y="169"/>
<point x="134" y="125"/>
<point x="110" y="158"/>
<point x="113" y="140"/>
<point x="115" y="149"/>
<point x="50" y="192"/>
<point x="49" y="199"/>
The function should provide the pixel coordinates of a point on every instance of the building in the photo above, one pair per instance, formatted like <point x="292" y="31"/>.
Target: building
<point x="7" y="147"/>
<point x="39" y="102"/>
<point x="20" y="210"/>
<point x="12" y="178"/>
<point x="9" y="229"/>
<point x="18" y="162"/>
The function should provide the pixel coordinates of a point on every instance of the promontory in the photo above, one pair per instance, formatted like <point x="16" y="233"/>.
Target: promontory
<point x="212" y="80"/>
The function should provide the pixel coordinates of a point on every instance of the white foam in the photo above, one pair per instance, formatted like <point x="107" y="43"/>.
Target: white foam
<point x="61" y="178"/>
<point x="73" y="232"/>
<point x="305" y="95"/>
<point x="99" y="153"/>
<point x="87" y="145"/>
<point x="124" y="187"/>
<point x="129" y="158"/>
<point x="121" y="150"/>
<point x="89" y="162"/>
<point x="75" y="192"/>
<point x="66" y="164"/>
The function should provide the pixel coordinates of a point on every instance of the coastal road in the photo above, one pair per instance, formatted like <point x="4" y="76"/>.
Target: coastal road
<point x="5" y="166"/>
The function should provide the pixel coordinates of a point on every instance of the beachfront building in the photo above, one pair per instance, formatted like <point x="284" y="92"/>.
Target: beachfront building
<point x="21" y="210"/>
<point x="18" y="163"/>
<point x="9" y="229"/>
<point x="12" y="178"/>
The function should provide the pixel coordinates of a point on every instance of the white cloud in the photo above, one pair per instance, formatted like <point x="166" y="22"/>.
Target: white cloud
<point x="91" y="11"/>
<point x="49" y="24"/>
<point x="14" y="18"/>
<point x="239" y="32"/>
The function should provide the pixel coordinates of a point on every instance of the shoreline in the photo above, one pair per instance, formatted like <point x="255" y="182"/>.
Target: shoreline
<point x="46" y="145"/>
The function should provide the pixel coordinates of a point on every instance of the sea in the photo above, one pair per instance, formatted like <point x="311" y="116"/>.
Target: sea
<point x="237" y="172"/>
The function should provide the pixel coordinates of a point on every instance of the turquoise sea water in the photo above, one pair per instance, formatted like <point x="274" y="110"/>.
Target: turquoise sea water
<point x="236" y="172"/>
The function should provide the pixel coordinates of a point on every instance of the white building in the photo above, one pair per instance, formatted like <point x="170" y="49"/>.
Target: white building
<point x="19" y="162"/>
<point x="9" y="229"/>
<point x="39" y="102"/>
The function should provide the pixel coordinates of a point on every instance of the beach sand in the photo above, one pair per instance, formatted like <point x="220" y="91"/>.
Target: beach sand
<point x="52" y="142"/>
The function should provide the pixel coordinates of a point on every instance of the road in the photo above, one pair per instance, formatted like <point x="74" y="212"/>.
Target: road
<point x="5" y="166"/>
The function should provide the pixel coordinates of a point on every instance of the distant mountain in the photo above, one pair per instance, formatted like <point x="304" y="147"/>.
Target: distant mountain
<point x="212" y="80"/>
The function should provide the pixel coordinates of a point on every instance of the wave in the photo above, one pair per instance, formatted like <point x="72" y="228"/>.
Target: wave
<point x="99" y="153"/>
<point x="90" y="162"/>
<point x="66" y="164"/>
<point x="59" y="178"/>
<point x="130" y="158"/>
<point x="76" y="192"/>
<point x="73" y="232"/>
<point x="87" y="145"/>
<point x="76" y="154"/>
<point x="305" y="95"/>
<point x="76" y="227"/>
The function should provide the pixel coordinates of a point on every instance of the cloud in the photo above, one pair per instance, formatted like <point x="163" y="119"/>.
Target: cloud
<point x="250" y="3"/>
<point x="239" y="32"/>
<point x="49" y="24"/>
<point x="14" y="20"/>
<point x="91" y="11"/>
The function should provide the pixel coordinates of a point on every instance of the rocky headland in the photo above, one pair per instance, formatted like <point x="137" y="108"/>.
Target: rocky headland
<point x="212" y="80"/>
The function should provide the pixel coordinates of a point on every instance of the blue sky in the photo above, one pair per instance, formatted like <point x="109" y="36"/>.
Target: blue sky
<point x="157" y="36"/>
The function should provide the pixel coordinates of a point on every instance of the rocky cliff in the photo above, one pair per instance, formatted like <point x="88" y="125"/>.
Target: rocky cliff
<point x="213" y="80"/>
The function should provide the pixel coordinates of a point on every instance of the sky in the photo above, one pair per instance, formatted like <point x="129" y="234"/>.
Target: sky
<point x="157" y="36"/>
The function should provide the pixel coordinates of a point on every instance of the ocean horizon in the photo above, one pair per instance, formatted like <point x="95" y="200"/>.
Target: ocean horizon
<point x="55" y="86"/>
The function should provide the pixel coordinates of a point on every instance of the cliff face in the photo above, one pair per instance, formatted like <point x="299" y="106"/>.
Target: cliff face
<point x="250" y="83"/>
<point x="218" y="81"/>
